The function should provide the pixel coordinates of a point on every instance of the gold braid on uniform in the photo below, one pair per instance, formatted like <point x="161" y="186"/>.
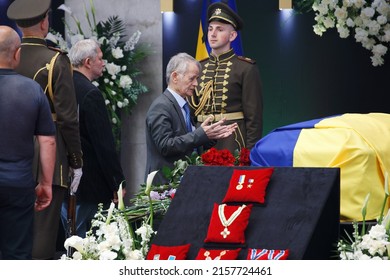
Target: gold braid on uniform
<point x="204" y="94"/>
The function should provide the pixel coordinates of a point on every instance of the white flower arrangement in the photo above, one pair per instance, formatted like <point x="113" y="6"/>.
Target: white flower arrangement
<point x="373" y="245"/>
<point x="119" y="83"/>
<point x="113" y="235"/>
<point x="367" y="21"/>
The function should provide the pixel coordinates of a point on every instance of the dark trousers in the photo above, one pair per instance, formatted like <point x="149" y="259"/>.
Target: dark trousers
<point x="46" y="226"/>
<point x="16" y="223"/>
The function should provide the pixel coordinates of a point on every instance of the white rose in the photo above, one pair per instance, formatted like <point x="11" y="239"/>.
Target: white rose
<point x="117" y="53"/>
<point x="112" y="68"/>
<point x="125" y="81"/>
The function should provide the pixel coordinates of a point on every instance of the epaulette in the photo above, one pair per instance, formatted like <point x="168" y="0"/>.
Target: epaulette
<point x="247" y="59"/>
<point x="57" y="50"/>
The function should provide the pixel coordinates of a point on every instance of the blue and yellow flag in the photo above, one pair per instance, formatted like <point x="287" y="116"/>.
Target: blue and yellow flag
<point x="352" y="142"/>
<point x="203" y="48"/>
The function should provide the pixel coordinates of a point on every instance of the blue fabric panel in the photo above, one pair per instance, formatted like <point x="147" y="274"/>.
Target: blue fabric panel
<point x="277" y="148"/>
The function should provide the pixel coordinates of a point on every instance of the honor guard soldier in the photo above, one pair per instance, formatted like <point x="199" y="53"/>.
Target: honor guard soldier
<point x="52" y="70"/>
<point x="229" y="85"/>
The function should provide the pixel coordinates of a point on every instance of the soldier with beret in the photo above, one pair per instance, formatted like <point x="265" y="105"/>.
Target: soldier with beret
<point x="52" y="70"/>
<point x="229" y="85"/>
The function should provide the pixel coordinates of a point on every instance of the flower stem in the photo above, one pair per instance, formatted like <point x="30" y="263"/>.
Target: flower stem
<point x="383" y="209"/>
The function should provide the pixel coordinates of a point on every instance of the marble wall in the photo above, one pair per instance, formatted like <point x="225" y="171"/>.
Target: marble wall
<point x="146" y="17"/>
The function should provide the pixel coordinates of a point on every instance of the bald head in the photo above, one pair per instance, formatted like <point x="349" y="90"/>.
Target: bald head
<point x="9" y="47"/>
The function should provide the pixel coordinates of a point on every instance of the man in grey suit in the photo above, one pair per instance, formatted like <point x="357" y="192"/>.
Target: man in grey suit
<point x="168" y="136"/>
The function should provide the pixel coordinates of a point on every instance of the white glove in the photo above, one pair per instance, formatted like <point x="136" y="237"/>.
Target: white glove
<point x="77" y="173"/>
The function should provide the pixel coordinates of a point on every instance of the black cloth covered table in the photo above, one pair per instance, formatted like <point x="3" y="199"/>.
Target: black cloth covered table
<point x="301" y="212"/>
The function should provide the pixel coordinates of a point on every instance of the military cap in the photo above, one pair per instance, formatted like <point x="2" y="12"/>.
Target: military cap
<point x="27" y="13"/>
<point x="220" y="11"/>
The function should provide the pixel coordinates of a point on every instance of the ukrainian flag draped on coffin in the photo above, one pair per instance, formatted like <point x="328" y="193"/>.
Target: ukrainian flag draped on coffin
<point x="356" y="143"/>
<point x="202" y="47"/>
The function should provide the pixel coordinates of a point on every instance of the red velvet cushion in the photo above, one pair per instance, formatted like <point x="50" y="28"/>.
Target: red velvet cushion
<point x="213" y="254"/>
<point x="158" y="252"/>
<point x="235" y="230"/>
<point x="248" y="185"/>
<point x="265" y="254"/>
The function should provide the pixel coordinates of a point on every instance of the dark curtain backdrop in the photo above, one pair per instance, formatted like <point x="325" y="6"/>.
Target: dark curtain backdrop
<point x="304" y="76"/>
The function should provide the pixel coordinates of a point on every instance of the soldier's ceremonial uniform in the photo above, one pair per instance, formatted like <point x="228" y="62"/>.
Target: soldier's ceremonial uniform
<point x="51" y="68"/>
<point x="38" y="61"/>
<point x="230" y="87"/>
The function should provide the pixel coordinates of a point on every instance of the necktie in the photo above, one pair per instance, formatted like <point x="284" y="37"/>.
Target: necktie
<point x="187" y="118"/>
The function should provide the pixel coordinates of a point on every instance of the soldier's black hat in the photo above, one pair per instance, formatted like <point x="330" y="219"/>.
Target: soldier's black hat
<point x="220" y="11"/>
<point x="27" y="13"/>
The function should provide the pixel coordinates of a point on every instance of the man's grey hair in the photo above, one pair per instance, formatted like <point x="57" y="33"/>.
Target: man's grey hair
<point x="82" y="50"/>
<point x="179" y="63"/>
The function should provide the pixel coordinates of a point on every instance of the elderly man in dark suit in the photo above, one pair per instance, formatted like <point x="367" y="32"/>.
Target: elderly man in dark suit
<point x="102" y="171"/>
<point x="170" y="134"/>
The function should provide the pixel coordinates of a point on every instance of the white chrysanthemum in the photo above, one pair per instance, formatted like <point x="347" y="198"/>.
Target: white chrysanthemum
<point x="119" y="104"/>
<point x="381" y="20"/>
<point x="368" y="12"/>
<point x="124" y="68"/>
<point x="323" y="8"/>
<point x="106" y="80"/>
<point x="343" y="31"/>
<point x="117" y="53"/>
<point x="383" y="8"/>
<point x="359" y="3"/>
<point x="361" y="35"/>
<point x="341" y="13"/>
<point x="107" y="101"/>
<point x="379" y="50"/>
<point x="318" y="29"/>
<point x="386" y="36"/>
<point x="329" y="22"/>
<point x="373" y="27"/>
<point x="126" y="101"/>
<point x="114" y="121"/>
<point x="350" y="23"/>
<point x="125" y="81"/>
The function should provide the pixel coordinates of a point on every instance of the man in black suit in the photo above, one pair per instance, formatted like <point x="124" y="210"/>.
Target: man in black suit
<point x="168" y="138"/>
<point x="102" y="172"/>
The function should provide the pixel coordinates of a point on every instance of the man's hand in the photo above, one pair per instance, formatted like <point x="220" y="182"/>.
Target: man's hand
<point x="217" y="130"/>
<point x="44" y="196"/>
<point x="77" y="173"/>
